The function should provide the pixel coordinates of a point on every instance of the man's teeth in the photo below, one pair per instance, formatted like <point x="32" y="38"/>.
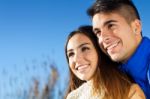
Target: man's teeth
<point x="110" y="47"/>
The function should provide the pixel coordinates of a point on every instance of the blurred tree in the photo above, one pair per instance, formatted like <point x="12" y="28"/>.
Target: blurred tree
<point x="49" y="90"/>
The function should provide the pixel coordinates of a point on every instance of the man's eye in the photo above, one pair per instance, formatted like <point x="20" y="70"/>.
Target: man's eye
<point x="97" y="33"/>
<point x="70" y="54"/>
<point x="110" y="26"/>
<point x="85" y="49"/>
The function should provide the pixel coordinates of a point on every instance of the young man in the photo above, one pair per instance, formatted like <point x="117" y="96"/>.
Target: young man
<point x="118" y="27"/>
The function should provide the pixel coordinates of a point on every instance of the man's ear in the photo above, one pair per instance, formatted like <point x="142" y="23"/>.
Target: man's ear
<point x="137" y="30"/>
<point x="137" y="26"/>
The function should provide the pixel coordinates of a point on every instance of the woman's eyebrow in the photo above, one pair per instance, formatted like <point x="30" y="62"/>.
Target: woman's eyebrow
<point x="70" y="50"/>
<point x="83" y="44"/>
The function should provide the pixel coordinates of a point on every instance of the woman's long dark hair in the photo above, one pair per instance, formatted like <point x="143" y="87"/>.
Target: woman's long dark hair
<point x="108" y="78"/>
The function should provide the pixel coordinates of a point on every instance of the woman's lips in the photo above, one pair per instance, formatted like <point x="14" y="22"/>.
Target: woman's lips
<point x="81" y="68"/>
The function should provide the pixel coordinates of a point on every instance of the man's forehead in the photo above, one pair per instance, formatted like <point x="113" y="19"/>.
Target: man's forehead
<point x="101" y="19"/>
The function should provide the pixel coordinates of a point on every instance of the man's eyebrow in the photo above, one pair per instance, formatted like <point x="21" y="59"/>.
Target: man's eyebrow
<point x="105" y="24"/>
<point x="108" y="22"/>
<point x="69" y="50"/>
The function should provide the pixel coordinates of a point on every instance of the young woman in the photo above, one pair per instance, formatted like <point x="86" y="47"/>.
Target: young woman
<point x="93" y="74"/>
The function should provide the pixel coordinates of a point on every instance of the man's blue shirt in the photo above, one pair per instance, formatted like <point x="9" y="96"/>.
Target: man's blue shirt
<point x="138" y="66"/>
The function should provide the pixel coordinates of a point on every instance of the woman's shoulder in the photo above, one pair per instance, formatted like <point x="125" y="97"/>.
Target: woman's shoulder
<point x="72" y="95"/>
<point x="85" y="91"/>
<point x="75" y="94"/>
<point x="136" y="92"/>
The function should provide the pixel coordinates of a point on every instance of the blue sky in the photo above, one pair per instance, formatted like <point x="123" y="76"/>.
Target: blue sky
<point x="32" y="31"/>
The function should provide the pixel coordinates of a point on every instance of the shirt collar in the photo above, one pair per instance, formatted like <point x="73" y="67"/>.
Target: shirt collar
<point x="139" y="57"/>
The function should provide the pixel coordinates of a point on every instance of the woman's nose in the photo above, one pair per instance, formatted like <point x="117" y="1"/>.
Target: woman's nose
<point x="78" y="57"/>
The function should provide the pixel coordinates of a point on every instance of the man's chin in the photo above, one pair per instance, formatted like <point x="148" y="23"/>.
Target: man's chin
<point x="114" y="58"/>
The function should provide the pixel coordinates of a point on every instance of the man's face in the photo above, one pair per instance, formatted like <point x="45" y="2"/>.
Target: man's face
<point x="117" y="37"/>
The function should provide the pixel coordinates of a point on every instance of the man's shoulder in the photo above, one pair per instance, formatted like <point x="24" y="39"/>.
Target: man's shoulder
<point x="146" y="40"/>
<point x="144" y="47"/>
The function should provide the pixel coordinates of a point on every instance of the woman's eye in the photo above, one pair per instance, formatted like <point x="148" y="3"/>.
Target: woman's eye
<point x="85" y="49"/>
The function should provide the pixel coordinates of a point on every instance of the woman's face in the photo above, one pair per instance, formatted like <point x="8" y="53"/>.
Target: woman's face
<point x="82" y="56"/>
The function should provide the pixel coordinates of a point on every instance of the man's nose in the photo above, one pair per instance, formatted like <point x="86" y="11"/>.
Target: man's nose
<point x="105" y="36"/>
<point x="107" y="39"/>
